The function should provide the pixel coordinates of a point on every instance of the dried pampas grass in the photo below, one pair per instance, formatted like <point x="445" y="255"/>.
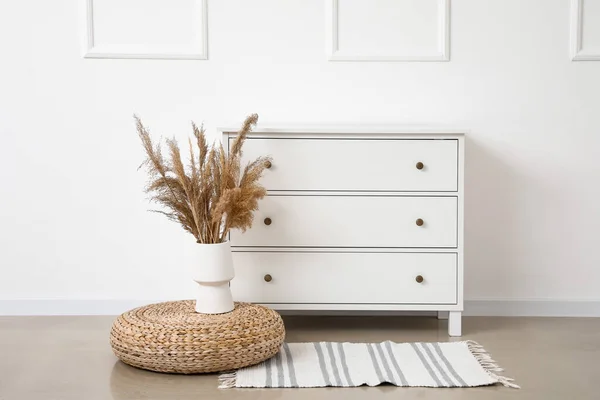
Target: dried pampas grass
<point x="210" y="195"/>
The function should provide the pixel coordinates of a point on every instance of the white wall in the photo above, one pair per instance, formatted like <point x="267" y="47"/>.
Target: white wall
<point x="73" y="220"/>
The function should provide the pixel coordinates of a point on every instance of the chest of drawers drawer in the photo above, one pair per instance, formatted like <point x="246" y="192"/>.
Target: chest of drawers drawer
<point x="357" y="164"/>
<point x="352" y="221"/>
<point x="365" y="278"/>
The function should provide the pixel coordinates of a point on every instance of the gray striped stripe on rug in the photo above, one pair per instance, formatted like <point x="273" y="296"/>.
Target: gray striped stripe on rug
<point x="321" y="364"/>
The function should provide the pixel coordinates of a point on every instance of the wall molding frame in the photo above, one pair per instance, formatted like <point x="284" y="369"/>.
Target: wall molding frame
<point x="475" y="307"/>
<point x="576" y="41"/>
<point x="91" y="51"/>
<point x="332" y="38"/>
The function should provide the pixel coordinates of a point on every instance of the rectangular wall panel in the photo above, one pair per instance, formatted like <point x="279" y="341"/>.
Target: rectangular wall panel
<point x="162" y="29"/>
<point x="388" y="30"/>
<point x="585" y="30"/>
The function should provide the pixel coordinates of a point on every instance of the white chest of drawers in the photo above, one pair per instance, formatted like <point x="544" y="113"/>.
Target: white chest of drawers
<point x="355" y="219"/>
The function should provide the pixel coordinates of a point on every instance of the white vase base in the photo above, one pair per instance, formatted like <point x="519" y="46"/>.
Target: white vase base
<point x="214" y="298"/>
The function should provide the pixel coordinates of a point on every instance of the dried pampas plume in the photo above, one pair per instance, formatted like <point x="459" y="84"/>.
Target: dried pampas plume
<point x="211" y="193"/>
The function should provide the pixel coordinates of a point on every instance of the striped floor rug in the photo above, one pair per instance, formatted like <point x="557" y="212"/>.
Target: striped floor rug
<point x="299" y="365"/>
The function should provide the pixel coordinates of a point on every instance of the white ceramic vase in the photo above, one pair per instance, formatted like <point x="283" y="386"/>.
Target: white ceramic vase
<point x="212" y="268"/>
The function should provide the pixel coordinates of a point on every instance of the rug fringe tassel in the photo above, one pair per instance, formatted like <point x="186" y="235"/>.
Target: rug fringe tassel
<point x="489" y="365"/>
<point x="227" y="381"/>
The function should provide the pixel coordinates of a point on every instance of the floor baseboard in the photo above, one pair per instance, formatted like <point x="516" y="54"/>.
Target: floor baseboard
<point x="69" y="306"/>
<point x="481" y="307"/>
<point x="533" y="308"/>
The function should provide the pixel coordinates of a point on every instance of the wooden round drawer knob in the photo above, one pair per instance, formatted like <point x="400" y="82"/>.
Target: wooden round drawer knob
<point x="419" y="222"/>
<point x="268" y="164"/>
<point x="419" y="279"/>
<point x="268" y="278"/>
<point x="268" y="221"/>
<point x="420" y="165"/>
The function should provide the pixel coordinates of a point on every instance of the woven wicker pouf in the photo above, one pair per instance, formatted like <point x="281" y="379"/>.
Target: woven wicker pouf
<point x="172" y="337"/>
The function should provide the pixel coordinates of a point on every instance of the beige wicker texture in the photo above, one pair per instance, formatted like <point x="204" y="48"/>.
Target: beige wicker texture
<point x="172" y="337"/>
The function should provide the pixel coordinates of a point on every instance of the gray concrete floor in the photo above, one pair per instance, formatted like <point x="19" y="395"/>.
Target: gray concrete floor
<point x="66" y="358"/>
